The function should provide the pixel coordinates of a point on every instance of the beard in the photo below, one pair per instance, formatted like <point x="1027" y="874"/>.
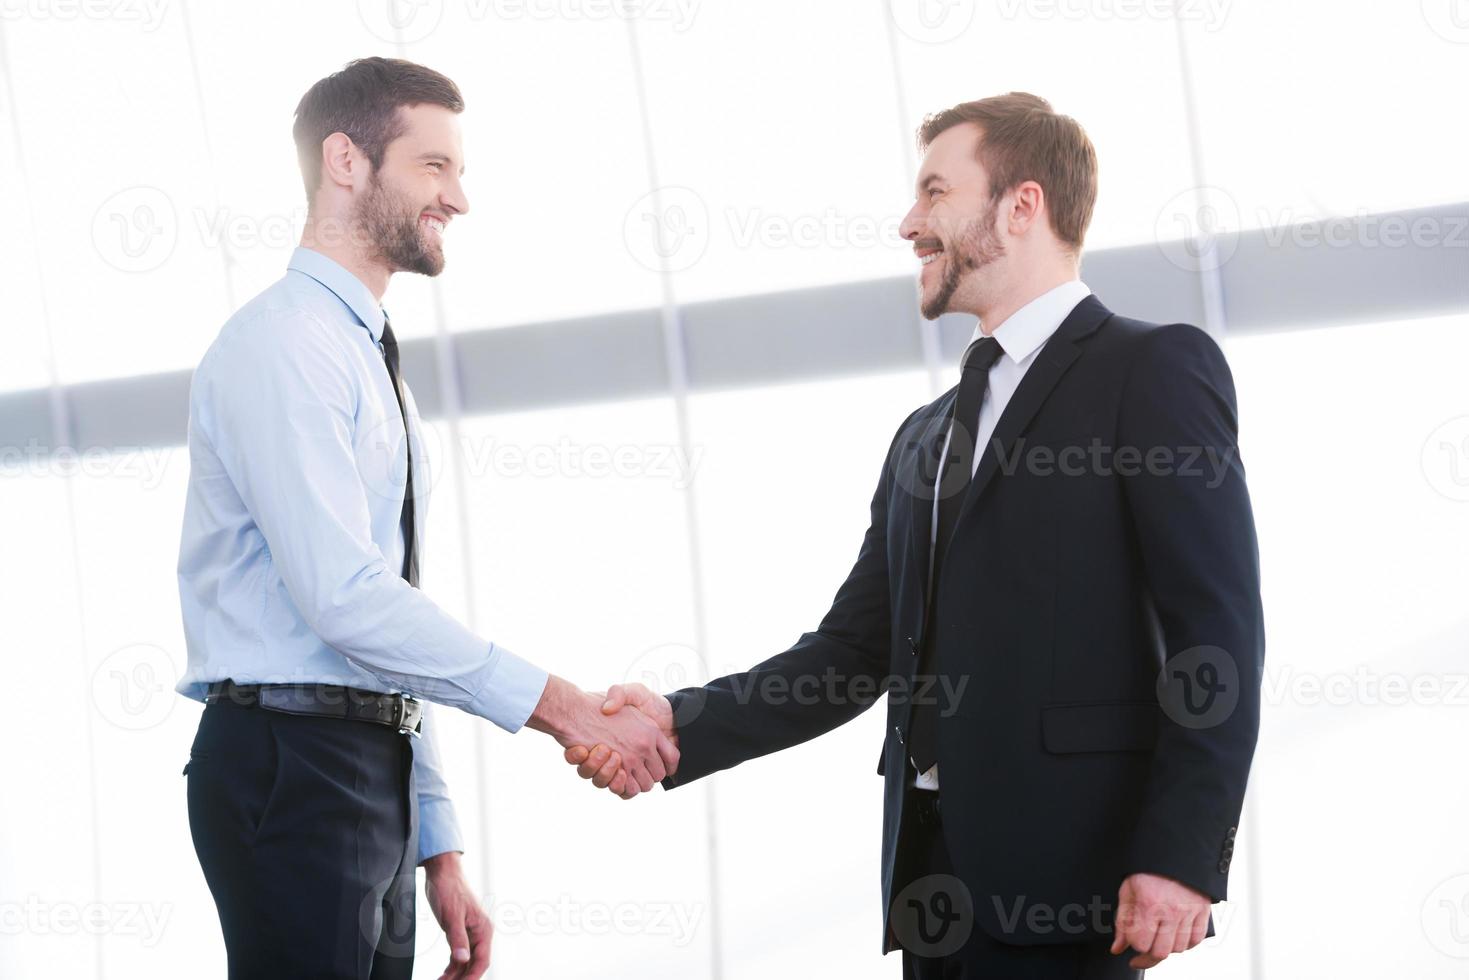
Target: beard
<point x="390" y="226"/>
<point x="977" y="245"/>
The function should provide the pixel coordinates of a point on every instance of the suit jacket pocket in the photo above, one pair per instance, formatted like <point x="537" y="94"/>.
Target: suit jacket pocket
<point x="1099" y="726"/>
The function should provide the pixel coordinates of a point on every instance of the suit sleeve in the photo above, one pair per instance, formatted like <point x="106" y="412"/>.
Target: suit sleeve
<point x="828" y="678"/>
<point x="1196" y="536"/>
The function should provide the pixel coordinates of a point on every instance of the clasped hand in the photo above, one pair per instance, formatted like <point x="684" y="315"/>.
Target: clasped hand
<point x="624" y="771"/>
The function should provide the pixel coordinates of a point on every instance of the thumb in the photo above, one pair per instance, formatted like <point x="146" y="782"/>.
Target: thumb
<point x="1119" y="925"/>
<point x="617" y="696"/>
<point x="458" y="940"/>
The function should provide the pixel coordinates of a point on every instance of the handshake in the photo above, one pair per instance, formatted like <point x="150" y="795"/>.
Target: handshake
<point x="623" y="740"/>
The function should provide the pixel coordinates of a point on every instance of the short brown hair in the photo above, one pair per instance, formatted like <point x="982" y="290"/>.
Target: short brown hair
<point x="1024" y="139"/>
<point x="362" y="100"/>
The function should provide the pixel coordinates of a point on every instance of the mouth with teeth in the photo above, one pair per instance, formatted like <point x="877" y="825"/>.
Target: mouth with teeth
<point x="928" y="253"/>
<point x="434" y="226"/>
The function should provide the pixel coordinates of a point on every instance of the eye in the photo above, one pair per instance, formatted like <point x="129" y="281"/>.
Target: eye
<point x="934" y="192"/>
<point x="436" y="164"/>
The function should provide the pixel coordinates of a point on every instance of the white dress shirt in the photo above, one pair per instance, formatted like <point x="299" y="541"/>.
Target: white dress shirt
<point x="1021" y="337"/>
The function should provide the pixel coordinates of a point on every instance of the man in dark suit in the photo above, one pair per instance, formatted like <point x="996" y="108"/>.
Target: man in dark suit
<point x="1058" y="591"/>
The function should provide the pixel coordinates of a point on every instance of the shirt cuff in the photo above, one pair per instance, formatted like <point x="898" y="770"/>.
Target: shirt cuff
<point x="438" y="828"/>
<point x="512" y="692"/>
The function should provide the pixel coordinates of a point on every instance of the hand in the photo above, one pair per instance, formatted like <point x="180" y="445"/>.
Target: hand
<point x="460" y="916"/>
<point x="1157" y="916"/>
<point x="646" y="754"/>
<point x="601" y="764"/>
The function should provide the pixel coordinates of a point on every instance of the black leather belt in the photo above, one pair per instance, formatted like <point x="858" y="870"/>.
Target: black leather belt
<point x="400" y="711"/>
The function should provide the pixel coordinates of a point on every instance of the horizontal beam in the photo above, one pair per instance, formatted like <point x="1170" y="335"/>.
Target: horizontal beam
<point x="1375" y="267"/>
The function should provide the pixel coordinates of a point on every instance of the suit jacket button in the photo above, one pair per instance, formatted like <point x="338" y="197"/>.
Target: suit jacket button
<point x="1224" y="866"/>
<point x="912" y="646"/>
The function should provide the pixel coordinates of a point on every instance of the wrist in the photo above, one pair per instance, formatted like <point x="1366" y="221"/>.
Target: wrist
<point x="556" y="712"/>
<point x="447" y="863"/>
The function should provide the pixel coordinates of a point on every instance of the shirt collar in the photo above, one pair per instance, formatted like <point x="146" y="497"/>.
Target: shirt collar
<point x="347" y="287"/>
<point x="1032" y="325"/>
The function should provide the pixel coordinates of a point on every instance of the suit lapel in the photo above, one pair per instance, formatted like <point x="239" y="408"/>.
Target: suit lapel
<point x="925" y="460"/>
<point x="1051" y="363"/>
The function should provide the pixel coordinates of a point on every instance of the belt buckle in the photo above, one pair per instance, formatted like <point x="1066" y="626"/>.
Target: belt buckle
<point x="408" y="722"/>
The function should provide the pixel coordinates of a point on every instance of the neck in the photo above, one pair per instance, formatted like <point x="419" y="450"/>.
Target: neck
<point x="373" y="272"/>
<point x="1041" y="280"/>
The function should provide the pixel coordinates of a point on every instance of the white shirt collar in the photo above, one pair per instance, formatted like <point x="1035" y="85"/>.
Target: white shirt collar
<point x="1032" y="325"/>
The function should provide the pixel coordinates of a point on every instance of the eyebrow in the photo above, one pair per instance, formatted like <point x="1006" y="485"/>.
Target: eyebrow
<point x="930" y="179"/>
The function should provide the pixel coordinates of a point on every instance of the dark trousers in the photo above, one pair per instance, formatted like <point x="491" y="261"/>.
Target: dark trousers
<point x="933" y="919"/>
<point x="307" y="831"/>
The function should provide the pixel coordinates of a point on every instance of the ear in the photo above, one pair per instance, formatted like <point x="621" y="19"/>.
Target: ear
<point x="1027" y="207"/>
<point x="342" y="164"/>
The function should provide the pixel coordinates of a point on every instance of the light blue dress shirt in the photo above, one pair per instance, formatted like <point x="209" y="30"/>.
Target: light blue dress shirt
<point x="290" y="565"/>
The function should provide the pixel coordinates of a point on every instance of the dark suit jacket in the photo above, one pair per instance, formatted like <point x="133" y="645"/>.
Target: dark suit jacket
<point x="1100" y="605"/>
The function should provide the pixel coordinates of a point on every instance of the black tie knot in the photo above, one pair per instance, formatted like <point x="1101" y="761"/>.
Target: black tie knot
<point x="982" y="354"/>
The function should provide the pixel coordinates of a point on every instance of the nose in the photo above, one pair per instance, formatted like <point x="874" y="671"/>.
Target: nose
<point x="453" y="199"/>
<point x="912" y="225"/>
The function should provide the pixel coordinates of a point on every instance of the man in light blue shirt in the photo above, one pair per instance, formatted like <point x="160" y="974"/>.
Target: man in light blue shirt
<point x="309" y="799"/>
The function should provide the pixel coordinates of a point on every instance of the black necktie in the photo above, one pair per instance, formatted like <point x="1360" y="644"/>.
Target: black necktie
<point x="410" y="541"/>
<point x="951" y="486"/>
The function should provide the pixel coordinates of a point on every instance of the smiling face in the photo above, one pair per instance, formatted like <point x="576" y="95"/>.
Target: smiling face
<point x="954" y="225"/>
<point x="411" y="198"/>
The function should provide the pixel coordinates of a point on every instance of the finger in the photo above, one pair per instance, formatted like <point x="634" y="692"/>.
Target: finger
<point x="668" y="752"/>
<point x="1162" y="943"/>
<point x="593" y="761"/>
<point x="639" y="773"/>
<point x="459" y="954"/>
<point x="1201" y="929"/>
<point x="655" y="768"/>
<point x="629" y="787"/>
<point x="610" y="769"/>
<point x="1185" y="933"/>
<point x="576" y="754"/>
<point x="481" y="933"/>
<point x="602" y="778"/>
<point x="1125" y="915"/>
<point x="618" y="782"/>
<point x="1143" y="931"/>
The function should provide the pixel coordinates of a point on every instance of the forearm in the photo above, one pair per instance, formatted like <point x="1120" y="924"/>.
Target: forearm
<point x="819" y="684"/>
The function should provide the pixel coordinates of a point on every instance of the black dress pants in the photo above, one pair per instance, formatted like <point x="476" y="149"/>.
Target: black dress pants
<point x="307" y="831"/>
<point x="942" y="941"/>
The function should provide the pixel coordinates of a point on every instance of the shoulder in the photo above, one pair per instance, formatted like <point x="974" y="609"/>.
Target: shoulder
<point x="1141" y="341"/>
<point x="281" y="326"/>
